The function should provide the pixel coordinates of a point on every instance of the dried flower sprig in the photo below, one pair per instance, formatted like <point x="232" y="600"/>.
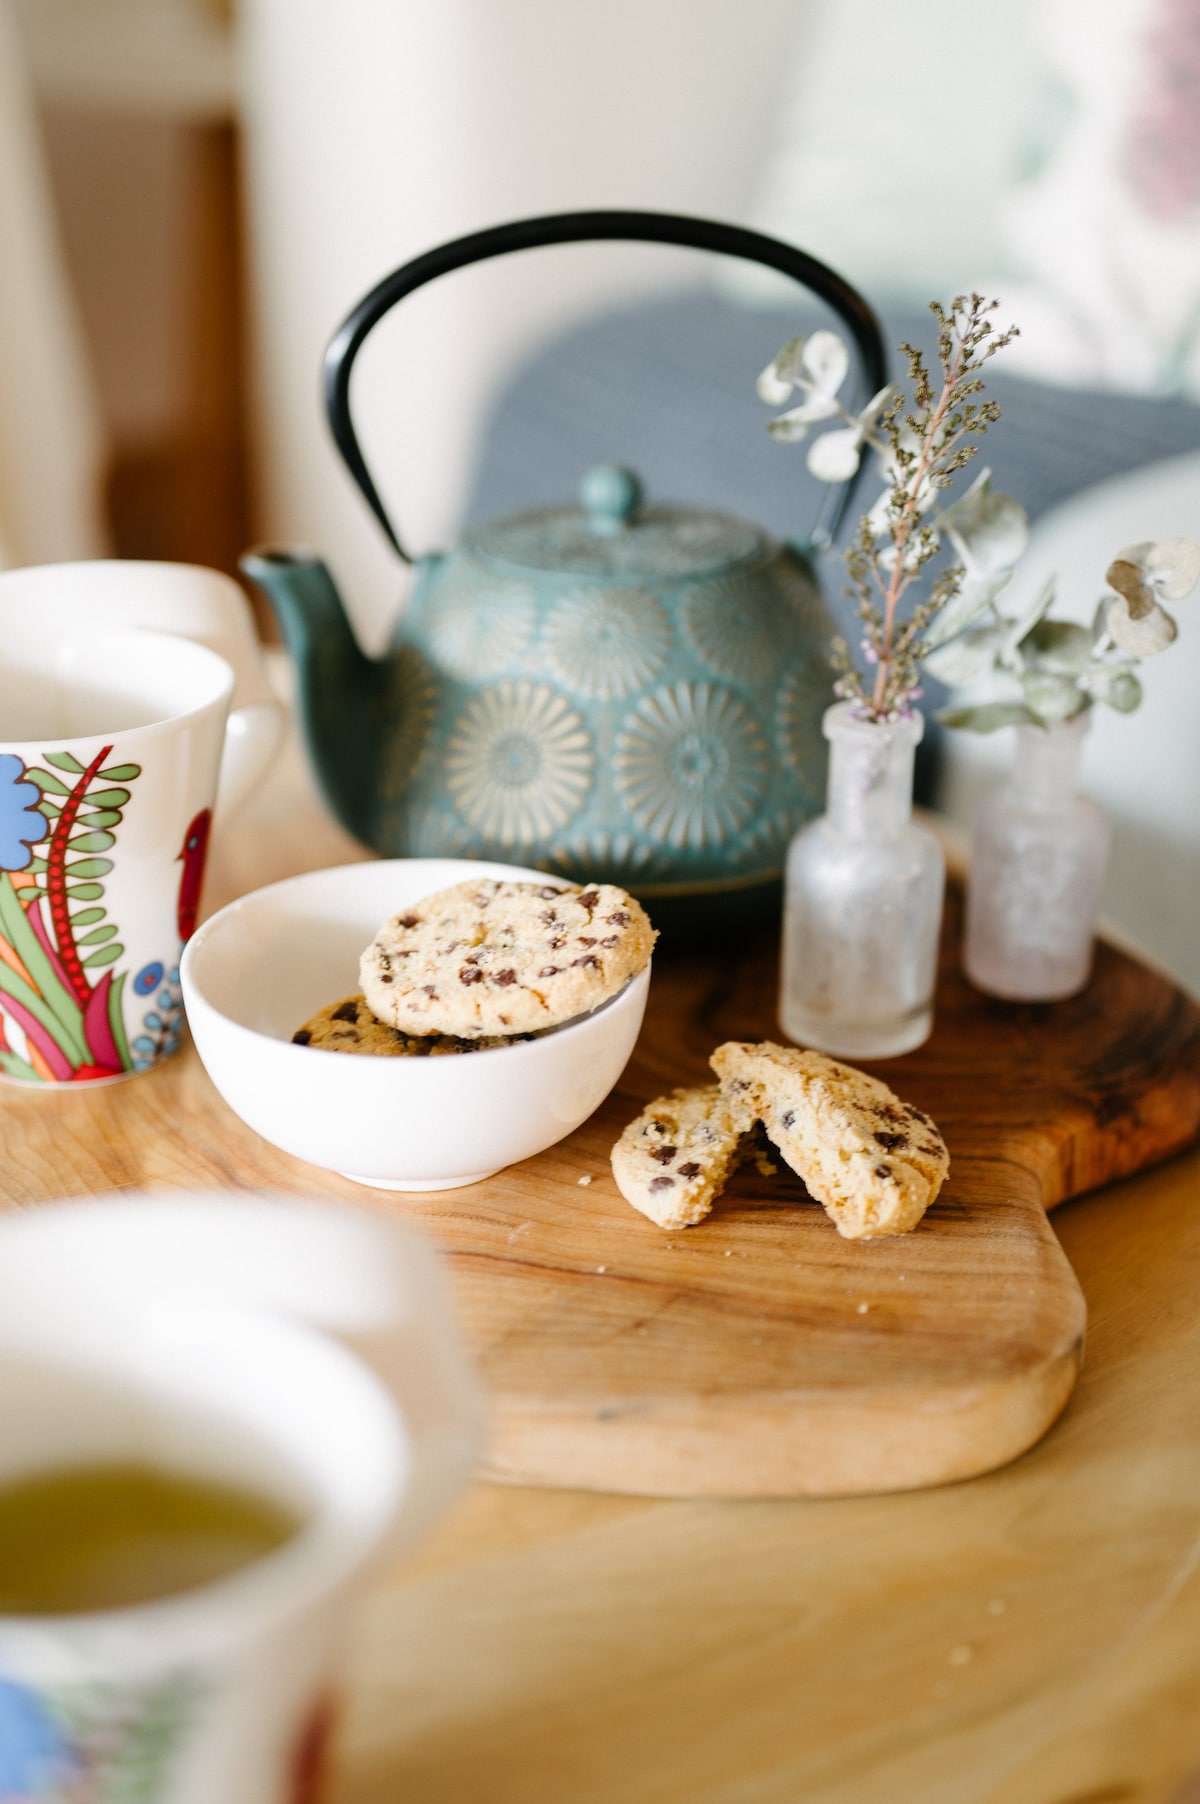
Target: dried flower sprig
<point x="1061" y="667"/>
<point x="921" y="447"/>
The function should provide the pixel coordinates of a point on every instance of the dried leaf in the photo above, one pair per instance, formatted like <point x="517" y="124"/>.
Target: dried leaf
<point x="989" y="717"/>
<point x="834" y="457"/>
<point x="1020" y="628"/>
<point x="990" y="531"/>
<point x="966" y="657"/>
<point x="1052" y="697"/>
<point x="825" y="361"/>
<point x="1170" y="568"/>
<point x="1117" y="687"/>
<point x="1125" y="577"/>
<point x="794" y="424"/>
<point x="773" y="386"/>
<point x="1059" y="647"/>
<point x="1141" y="635"/>
<point x="975" y="595"/>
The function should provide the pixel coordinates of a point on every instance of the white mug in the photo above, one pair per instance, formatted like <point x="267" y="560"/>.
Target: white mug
<point x="110" y="747"/>
<point x="304" y="1353"/>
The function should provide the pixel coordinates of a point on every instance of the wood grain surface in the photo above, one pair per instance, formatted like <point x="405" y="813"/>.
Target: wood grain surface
<point x="757" y="1354"/>
<point x="1031" y="1636"/>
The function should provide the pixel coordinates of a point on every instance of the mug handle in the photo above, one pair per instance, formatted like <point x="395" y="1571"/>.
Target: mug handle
<point x="252" y="735"/>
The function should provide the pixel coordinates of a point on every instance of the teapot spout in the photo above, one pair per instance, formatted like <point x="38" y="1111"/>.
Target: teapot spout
<point x="335" y="680"/>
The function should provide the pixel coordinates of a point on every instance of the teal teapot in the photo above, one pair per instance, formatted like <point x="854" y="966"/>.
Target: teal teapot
<point x="615" y="689"/>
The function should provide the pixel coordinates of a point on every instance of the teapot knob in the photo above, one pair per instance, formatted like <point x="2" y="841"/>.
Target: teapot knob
<point x="609" y="495"/>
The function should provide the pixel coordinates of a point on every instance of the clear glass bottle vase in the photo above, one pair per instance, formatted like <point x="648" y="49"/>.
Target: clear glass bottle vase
<point x="863" y="901"/>
<point x="1038" y="857"/>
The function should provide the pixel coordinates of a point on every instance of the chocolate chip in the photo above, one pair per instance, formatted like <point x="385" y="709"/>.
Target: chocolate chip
<point x="505" y="977"/>
<point x="658" y="1184"/>
<point x="918" y="1115"/>
<point x="410" y="920"/>
<point x="786" y="1119"/>
<point x="387" y="978"/>
<point x="738" y="1084"/>
<point x="549" y="916"/>
<point x="549" y="970"/>
<point x="589" y="898"/>
<point x="664" y="1154"/>
<point x="427" y="989"/>
<point x="557" y="940"/>
<point x="301" y="1037"/>
<point x="614" y="939"/>
<point x="931" y="1152"/>
<point x="618" y="918"/>
<point x="544" y="894"/>
<point x="347" y="1012"/>
<point x="585" y="941"/>
<point x="883" y="1171"/>
<point x="470" y="974"/>
<point x="589" y="958"/>
<point x="890" y="1142"/>
<point x="690" y="1170"/>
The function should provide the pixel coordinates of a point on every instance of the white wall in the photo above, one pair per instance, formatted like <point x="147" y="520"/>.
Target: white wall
<point x="379" y="128"/>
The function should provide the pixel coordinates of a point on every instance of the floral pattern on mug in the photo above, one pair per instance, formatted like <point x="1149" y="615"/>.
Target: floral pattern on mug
<point x="91" y="1744"/>
<point x="62" y="1000"/>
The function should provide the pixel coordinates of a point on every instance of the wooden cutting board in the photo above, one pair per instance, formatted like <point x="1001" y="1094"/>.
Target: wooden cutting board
<point x="757" y="1354"/>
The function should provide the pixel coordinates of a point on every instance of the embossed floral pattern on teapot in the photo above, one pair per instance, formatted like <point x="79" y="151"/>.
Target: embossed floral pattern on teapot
<point x="613" y="690"/>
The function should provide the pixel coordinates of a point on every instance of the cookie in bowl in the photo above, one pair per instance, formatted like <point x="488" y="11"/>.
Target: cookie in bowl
<point x="501" y="957"/>
<point x="349" y="1026"/>
<point x="271" y="961"/>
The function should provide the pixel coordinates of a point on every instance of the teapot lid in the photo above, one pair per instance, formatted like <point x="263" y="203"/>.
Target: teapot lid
<point x="609" y="535"/>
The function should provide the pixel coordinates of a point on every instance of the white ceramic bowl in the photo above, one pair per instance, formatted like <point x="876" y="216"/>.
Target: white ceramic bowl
<point x="258" y="969"/>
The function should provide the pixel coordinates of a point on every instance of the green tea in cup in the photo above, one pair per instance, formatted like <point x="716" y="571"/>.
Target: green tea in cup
<point x="79" y="1539"/>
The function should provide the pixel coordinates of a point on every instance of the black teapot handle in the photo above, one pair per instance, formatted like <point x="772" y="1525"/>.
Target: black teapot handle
<point x="570" y="228"/>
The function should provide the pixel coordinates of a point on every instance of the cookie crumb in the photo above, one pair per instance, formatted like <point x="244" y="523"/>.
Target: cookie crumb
<point x="997" y="1607"/>
<point x="863" y="1308"/>
<point x="961" y="1655"/>
<point x="601" y="1268"/>
<point x="585" y="1180"/>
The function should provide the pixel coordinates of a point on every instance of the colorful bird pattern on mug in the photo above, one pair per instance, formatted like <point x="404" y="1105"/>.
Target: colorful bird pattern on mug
<point x="62" y="998"/>
<point x="91" y="1744"/>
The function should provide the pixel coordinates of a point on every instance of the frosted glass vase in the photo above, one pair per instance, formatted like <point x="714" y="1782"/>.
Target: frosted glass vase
<point x="863" y="901"/>
<point x="1037" y="870"/>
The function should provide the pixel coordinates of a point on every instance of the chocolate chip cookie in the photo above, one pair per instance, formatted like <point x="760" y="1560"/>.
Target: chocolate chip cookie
<point x="349" y="1026"/>
<point x="874" y="1162"/>
<point x="674" y="1159"/>
<point x="494" y="957"/>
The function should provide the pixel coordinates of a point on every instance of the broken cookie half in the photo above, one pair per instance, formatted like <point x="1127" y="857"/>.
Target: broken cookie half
<point x="874" y="1162"/>
<point x="675" y="1158"/>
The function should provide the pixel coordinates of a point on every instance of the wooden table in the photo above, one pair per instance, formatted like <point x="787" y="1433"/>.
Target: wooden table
<point x="1031" y="1637"/>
